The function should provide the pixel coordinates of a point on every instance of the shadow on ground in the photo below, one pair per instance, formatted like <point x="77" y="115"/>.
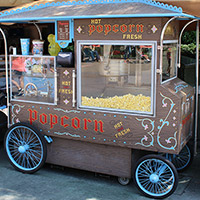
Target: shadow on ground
<point x="58" y="183"/>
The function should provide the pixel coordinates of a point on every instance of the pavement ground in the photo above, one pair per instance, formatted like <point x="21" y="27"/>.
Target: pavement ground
<point x="58" y="183"/>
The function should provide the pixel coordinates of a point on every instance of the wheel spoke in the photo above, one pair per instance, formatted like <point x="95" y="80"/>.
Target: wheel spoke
<point x="39" y="152"/>
<point x="162" y="170"/>
<point x="28" y="163"/>
<point x="148" y="167"/>
<point x="31" y="159"/>
<point x="144" y="181"/>
<point x="157" y="190"/>
<point x="23" y="134"/>
<point x="33" y="145"/>
<point x="19" y="134"/>
<point x="13" y="136"/>
<point x="13" y="141"/>
<point x="34" y="156"/>
<point x="28" y="136"/>
<point x="23" y="164"/>
<point x="143" y="175"/>
<point x="146" y="184"/>
<point x="143" y="172"/>
<point x="31" y="139"/>
<point x="150" y="186"/>
<point x="160" y="186"/>
<point x="17" y="154"/>
<point x="18" y="159"/>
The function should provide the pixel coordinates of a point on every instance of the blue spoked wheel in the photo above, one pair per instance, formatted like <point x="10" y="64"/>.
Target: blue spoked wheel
<point x="25" y="148"/>
<point x="155" y="176"/>
<point x="183" y="160"/>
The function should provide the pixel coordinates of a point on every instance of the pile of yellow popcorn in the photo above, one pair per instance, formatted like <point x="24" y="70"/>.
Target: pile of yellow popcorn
<point x="125" y="102"/>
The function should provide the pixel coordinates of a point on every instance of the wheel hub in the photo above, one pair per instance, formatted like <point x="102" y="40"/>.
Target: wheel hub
<point x="154" y="178"/>
<point x="23" y="148"/>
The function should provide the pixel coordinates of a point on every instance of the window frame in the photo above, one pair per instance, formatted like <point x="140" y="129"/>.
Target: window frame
<point x="168" y="42"/>
<point x="55" y="79"/>
<point x="118" y="42"/>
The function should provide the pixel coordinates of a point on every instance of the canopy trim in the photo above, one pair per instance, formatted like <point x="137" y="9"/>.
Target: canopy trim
<point x="87" y="2"/>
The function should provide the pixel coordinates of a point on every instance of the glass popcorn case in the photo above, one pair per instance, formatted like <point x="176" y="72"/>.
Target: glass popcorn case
<point x="119" y="78"/>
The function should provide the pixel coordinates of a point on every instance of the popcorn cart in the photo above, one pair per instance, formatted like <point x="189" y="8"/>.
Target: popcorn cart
<point x="120" y="109"/>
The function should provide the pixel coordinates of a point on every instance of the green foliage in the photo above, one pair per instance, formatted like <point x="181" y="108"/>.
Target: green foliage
<point x="188" y="49"/>
<point x="188" y="46"/>
<point x="189" y="37"/>
<point x="69" y="48"/>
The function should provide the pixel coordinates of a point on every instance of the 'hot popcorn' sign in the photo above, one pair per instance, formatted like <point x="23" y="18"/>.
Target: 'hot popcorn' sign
<point x="123" y="29"/>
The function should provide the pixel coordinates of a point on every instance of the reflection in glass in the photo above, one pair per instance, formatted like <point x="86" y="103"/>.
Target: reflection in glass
<point x="116" y="77"/>
<point x="169" y="60"/>
<point x="32" y="78"/>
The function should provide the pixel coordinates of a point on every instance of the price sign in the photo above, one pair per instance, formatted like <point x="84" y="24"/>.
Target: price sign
<point x="63" y="30"/>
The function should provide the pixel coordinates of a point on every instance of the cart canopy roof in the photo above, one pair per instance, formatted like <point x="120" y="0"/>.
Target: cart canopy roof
<point x="188" y="6"/>
<point x="48" y="10"/>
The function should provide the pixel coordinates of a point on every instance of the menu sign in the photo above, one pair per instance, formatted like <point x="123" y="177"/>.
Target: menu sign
<point x="63" y="30"/>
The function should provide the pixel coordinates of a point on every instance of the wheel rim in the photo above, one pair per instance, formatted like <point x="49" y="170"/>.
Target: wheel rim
<point x="155" y="177"/>
<point x="24" y="148"/>
<point x="181" y="160"/>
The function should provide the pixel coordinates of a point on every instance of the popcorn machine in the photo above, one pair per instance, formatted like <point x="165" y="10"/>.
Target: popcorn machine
<point x="119" y="110"/>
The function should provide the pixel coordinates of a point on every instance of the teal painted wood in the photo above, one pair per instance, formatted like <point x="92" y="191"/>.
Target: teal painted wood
<point x="53" y="4"/>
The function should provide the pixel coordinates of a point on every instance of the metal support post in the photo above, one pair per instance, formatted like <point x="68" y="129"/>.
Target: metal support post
<point x="197" y="88"/>
<point x="6" y="65"/>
